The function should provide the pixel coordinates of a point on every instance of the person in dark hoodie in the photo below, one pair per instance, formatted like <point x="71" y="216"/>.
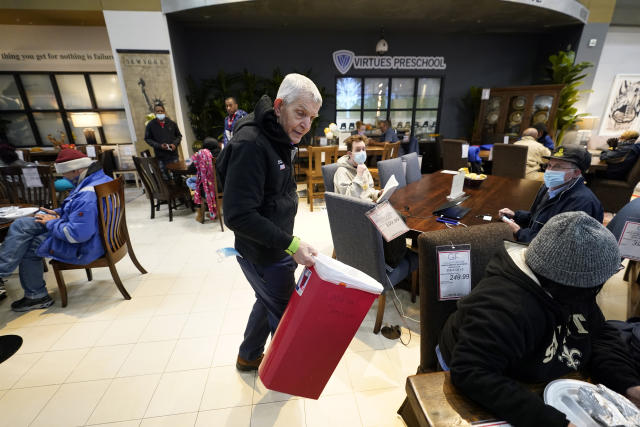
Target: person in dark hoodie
<point x="261" y="201"/>
<point x="564" y="190"/>
<point x="163" y="135"/>
<point x="534" y="318"/>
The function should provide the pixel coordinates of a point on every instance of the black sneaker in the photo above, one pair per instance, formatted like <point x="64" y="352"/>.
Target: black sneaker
<point x="28" y="304"/>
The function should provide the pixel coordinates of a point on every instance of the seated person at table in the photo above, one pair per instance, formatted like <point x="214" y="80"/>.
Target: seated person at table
<point x="361" y="128"/>
<point x="353" y="178"/>
<point x="9" y="157"/>
<point x="543" y="136"/>
<point x="388" y="133"/>
<point x="534" y="318"/>
<point x="563" y="191"/>
<point x="535" y="154"/>
<point x="68" y="234"/>
<point x="622" y="155"/>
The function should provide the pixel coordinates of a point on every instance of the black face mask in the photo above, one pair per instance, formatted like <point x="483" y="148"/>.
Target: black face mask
<point x="568" y="295"/>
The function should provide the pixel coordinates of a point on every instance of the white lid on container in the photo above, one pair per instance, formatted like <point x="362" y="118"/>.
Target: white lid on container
<point x="334" y="271"/>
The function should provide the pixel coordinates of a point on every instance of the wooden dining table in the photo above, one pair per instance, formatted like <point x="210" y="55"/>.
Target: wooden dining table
<point x="372" y="150"/>
<point x="180" y="167"/>
<point x="418" y="200"/>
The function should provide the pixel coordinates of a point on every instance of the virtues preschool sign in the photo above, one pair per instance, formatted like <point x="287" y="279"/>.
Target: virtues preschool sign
<point x="345" y="59"/>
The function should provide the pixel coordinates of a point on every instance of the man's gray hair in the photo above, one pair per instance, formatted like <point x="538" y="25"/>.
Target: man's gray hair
<point x="296" y="85"/>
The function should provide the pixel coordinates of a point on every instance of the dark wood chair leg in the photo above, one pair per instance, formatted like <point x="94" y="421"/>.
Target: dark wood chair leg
<point x="89" y="274"/>
<point x="170" y="211"/>
<point x="414" y="285"/>
<point x="44" y="265"/>
<point x="153" y="210"/>
<point x="61" y="286"/>
<point x="135" y="261"/>
<point x="118" y="282"/>
<point x="382" y="299"/>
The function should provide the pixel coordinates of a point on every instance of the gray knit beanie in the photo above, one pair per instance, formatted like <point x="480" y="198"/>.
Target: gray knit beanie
<point x="573" y="249"/>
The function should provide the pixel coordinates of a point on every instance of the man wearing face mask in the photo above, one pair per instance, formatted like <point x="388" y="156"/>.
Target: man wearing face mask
<point x="564" y="190"/>
<point x="260" y="204"/>
<point x="68" y="234"/>
<point x="352" y="178"/>
<point x="164" y="136"/>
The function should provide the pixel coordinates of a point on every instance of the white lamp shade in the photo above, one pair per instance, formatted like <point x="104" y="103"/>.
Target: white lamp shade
<point x="587" y="122"/>
<point x="85" y="120"/>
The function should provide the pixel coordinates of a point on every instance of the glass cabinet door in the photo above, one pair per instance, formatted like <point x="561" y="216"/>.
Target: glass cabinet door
<point x="541" y="109"/>
<point x="515" y="115"/>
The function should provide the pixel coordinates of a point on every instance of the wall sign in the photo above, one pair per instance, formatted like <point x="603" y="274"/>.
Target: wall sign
<point x="56" y="60"/>
<point x="345" y="59"/>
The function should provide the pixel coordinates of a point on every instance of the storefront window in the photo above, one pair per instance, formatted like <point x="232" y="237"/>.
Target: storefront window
<point x="428" y="93"/>
<point x="375" y="93"/>
<point x="50" y="124"/>
<point x="107" y="90"/>
<point x="73" y="90"/>
<point x="348" y="93"/>
<point x="39" y="91"/>
<point x="115" y="127"/>
<point x="18" y="131"/>
<point x="402" y="93"/>
<point x="9" y="95"/>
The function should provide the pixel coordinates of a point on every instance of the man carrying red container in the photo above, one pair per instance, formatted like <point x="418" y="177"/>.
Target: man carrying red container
<point x="261" y="201"/>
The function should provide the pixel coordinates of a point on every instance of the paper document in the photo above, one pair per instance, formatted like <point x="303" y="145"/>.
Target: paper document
<point x="449" y="172"/>
<point x="465" y="151"/>
<point x="629" y="242"/>
<point x="20" y="154"/>
<point x="387" y="221"/>
<point x="388" y="190"/>
<point x="91" y="151"/>
<point x="456" y="186"/>
<point x="31" y="177"/>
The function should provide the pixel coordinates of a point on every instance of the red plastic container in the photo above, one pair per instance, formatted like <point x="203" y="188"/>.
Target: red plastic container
<point x="321" y="319"/>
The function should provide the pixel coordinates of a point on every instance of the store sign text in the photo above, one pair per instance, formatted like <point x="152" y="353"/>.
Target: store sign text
<point x="345" y="59"/>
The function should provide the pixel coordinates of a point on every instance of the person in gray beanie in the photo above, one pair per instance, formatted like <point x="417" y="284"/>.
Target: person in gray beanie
<point x="534" y="318"/>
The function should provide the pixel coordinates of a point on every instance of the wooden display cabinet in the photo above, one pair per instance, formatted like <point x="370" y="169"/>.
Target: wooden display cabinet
<point x="510" y="110"/>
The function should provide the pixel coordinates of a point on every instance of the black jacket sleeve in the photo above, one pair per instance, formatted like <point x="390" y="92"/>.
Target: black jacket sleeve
<point x="522" y="218"/>
<point x="148" y="138"/>
<point x="177" y="136"/>
<point x="244" y="196"/>
<point x="491" y="338"/>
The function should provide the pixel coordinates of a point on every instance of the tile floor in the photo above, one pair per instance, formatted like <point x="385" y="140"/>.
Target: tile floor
<point x="166" y="357"/>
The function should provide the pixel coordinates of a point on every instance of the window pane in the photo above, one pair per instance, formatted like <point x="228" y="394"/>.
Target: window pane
<point x="428" y="93"/>
<point x="401" y="120"/>
<point x="18" y="130"/>
<point x="426" y="122"/>
<point x="107" y="90"/>
<point x="9" y="95"/>
<point x="375" y="93"/>
<point x="116" y="129"/>
<point x="346" y="120"/>
<point x="39" y="91"/>
<point x="73" y="90"/>
<point x="50" y="124"/>
<point x="373" y="118"/>
<point x="402" y="93"/>
<point x="79" y="136"/>
<point x="348" y="93"/>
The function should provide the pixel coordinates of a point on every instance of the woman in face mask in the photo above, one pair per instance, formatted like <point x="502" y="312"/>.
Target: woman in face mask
<point x="353" y="177"/>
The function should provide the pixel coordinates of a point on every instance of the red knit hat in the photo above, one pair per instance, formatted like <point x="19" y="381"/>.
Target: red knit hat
<point x="69" y="160"/>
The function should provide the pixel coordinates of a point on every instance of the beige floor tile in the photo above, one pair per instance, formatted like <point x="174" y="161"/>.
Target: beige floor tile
<point x="81" y="335"/>
<point x="52" y="368"/>
<point x="204" y="324"/>
<point x="262" y="394"/>
<point x="279" y="414"/>
<point x="123" y="331"/>
<point x="154" y="286"/>
<point x="15" y="367"/>
<point x="235" y="320"/>
<point x="378" y="407"/>
<point x="192" y="353"/>
<point x="366" y="340"/>
<point x="100" y="363"/>
<point x="24" y="320"/>
<point x="336" y="410"/>
<point x="131" y="423"/>
<point x="40" y="338"/>
<point x="228" y="417"/>
<point x="214" y="299"/>
<point x="176" y="304"/>
<point x="72" y="313"/>
<point x="187" y="285"/>
<point x="182" y="420"/>
<point x="339" y="383"/>
<point x="103" y="309"/>
<point x="370" y="370"/>
<point x="72" y="404"/>
<point x="147" y="358"/>
<point x="125" y="399"/>
<point x="20" y="407"/>
<point x="405" y="359"/>
<point x="164" y="328"/>
<point x="177" y="393"/>
<point x="227" y="350"/>
<point x="227" y="388"/>
<point x="140" y="306"/>
<point x="241" y="299"/>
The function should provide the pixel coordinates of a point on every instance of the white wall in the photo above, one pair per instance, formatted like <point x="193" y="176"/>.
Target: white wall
<point x="142" y="31"/>
<point x="620" y="55"/>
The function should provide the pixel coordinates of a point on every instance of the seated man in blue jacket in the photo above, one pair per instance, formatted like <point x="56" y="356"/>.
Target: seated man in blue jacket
<point x="68" y="234"/>
<point x="563" y="191"/>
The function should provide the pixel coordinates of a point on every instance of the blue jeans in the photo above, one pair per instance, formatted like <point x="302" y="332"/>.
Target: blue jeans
<point x="273" y="286"/>
<point x="19" y="249"/>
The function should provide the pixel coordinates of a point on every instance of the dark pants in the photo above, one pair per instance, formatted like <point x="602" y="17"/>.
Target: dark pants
<point x="273" y="286"/>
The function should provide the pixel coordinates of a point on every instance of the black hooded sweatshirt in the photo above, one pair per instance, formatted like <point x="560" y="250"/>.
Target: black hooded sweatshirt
<point x="509" y="329"/>
<point x="260" y="194"/>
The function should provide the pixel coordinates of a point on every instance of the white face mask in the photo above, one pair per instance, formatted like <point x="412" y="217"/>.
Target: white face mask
<point x="360" y="157"/>
<point x="160" y="116"/>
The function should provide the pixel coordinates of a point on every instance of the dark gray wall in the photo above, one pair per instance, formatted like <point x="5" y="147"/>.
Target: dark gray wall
<point x="486" y="60"/>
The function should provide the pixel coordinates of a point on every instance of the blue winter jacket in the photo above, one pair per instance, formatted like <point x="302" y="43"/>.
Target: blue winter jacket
<point x="230" y="124"/>
<point x="74" y="237"/>
<point x="577" y="197"/>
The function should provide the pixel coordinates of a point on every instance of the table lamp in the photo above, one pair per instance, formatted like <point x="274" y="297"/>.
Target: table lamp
<point x="87" y="121"/>
<point x="585" y="126"/>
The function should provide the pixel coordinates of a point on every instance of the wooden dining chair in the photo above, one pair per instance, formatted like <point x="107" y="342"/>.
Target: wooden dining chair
<point x="509" y="160"/>
<point x="20" y="191"/>
<point x="314" y="169"/>
<point x="391" y="150"/>
<point x="112" y="226"/>
<point x="452" y="154"/>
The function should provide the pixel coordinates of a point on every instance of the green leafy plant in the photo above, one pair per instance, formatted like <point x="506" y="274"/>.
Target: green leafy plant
<point x="564" y="70"/>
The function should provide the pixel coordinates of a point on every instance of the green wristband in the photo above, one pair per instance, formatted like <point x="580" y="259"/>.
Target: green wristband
<point x="293" y="246"/>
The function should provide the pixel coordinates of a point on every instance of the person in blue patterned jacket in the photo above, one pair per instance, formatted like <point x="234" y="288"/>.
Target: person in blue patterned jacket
<point x="234" y="114"/>
<point x="68" y="234"/>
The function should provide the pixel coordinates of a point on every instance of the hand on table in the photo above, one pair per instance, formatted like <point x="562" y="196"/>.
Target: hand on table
<point x="506" y="212"/>
<point x="304" y="255"/>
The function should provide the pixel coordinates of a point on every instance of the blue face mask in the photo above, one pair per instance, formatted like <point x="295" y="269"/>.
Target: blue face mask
<point x="160" y="116"/>
<point x="360" y="157"/>
<point x="553" y="178"/>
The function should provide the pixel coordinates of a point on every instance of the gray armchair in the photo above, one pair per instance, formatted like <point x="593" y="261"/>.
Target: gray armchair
<point x="328" y="171"/>
<point x="412" y="171"/>
<point x="387" y="168"/>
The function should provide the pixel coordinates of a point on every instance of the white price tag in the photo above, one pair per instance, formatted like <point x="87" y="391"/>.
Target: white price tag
<point x="91" y="151"/>
<point x="454" y="271"/>
<point x="629" y="242"/>
<point x="456" y="186"/>
<point x="387" y="221"/>
<point x="505" y="139"/>
<point x="20" y="154"/>
<point x="491" y="154"/>
<point x="486" y="93"/>
<point x="465" y="151"/>
<point x="31" y="177"/>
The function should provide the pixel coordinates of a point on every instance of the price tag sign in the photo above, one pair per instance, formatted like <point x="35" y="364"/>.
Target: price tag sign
<point x="20" y="154"/>
<point x="491" y="154"/>
<point x="387" y="221"/>
<point x="465" y="151"/>
<point x="454" y="271"/>
<point x="31" y="177"/>
<point x="629" y="242"/>
<point x="91" y="151"/>
<point x="485" y="94"/>
<point x="505" y="139"/>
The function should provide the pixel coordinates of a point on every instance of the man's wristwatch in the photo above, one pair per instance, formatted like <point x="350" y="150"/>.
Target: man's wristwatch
<point x="293" y="246"/>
